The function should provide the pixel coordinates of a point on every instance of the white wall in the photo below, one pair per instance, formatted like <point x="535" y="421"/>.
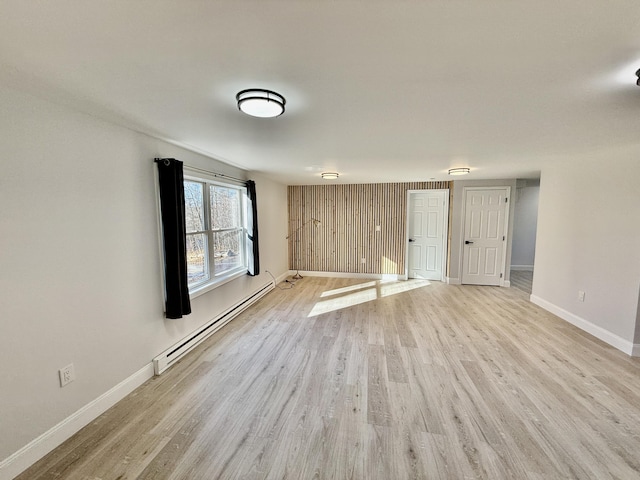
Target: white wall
<point x="80" y="263"/>
<point x="525" y="224"/>
<point x="456" y="224"/>
<point x="588" y="239"/>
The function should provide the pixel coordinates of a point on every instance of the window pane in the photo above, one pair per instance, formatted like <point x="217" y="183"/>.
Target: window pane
<point x="225" y="207"/>
<point x="227" y="250"/>
<point x="197" y="258"/>
<point x="194" y="206"/>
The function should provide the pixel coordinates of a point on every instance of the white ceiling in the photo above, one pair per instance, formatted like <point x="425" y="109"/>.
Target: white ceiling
<point x="379" y="91"/>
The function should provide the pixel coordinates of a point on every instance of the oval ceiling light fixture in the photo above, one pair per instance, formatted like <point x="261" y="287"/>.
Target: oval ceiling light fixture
<point x="261" y="103"/>
<point x="329" y="175"/>
<point x="459" y="171"/>
<point x="638" y="79"/>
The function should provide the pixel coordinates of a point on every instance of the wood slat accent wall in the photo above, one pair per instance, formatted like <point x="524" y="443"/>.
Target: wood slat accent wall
<point x="348" y="216"/>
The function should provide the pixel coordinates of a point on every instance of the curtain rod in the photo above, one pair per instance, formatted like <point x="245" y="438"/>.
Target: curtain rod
<point x="208" y="172"/>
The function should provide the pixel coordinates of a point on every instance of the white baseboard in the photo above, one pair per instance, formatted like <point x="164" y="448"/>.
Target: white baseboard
<point x="370" y="276"/>
<point x="283" y="276"/>
<point x="523" y="268"/>
<point x="605" y="335"/>
<point x="507" y="283"/>
<point x="38" y="448"/>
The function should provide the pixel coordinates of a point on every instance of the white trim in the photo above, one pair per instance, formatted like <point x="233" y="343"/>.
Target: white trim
<point x="373" y="276"/>
<point x="283" y="276"/>
<point x="55" y="436"/>
<point x="522" y="268"/>
<point x="595" y="330"/>
<point x="453" y="281"/>
<point x="635" y="351"/>
<point x="221" y="280"/>
<point x="507" y="284"/>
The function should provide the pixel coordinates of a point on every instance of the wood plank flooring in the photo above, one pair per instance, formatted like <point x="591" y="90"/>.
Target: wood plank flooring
<point x="356" y="379"/>
<point x="522" y="280"/>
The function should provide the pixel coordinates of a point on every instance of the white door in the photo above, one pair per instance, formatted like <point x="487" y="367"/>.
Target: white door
<point x="427" y="233"/>
<point x="485" y="233"/>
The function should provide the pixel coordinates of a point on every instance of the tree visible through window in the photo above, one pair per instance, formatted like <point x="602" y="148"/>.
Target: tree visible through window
<point x="215" y="231"/>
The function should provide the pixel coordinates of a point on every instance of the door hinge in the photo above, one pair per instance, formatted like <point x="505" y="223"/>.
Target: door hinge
<point x="500" y="275"/>
<point x="503" y="238"/>
<point x="506" y="199"/>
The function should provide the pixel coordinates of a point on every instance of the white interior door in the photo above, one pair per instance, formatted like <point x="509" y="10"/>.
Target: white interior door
<point x="485" y="233"/>
<point x="427" y="233"/>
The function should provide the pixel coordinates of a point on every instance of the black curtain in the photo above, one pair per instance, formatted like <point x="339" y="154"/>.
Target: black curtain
<point x="252" y="230"/>
<point x="173" y="227"/>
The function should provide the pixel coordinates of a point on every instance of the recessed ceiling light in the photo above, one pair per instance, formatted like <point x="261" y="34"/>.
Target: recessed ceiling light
<point x="329" y="175"/>
<point x="459" y="171"/>
<point x="261" y="103"/>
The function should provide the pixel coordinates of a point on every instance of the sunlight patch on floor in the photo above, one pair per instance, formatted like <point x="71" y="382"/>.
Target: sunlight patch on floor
<point x="350" y="288"/>
<point x="388" y="289"/>
<point x="345" y="301"/>
<point x="361" y="293"/>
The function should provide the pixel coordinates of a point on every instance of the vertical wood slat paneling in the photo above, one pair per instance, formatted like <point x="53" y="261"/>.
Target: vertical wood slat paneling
<point x="349" y="215"/>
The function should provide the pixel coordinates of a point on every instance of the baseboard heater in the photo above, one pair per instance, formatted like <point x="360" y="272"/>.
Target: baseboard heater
<point x="184" y="346"/>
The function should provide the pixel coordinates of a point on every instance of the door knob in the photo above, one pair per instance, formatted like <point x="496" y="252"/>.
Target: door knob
<point x="411" y="240"/>
<point x="467" y="242"/>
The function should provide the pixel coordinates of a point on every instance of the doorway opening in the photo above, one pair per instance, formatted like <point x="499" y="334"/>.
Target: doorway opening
<point x="524" y="234"/>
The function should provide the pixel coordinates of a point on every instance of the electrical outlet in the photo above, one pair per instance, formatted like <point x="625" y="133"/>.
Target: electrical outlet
<point x="378" y="228"/>
<point x="363" y="260"/>
<point x="67" y="374"/>
<point x="581" y="295"/>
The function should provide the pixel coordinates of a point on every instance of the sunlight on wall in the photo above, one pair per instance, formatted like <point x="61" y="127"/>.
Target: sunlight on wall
<point x="388" y="266"/>
<point x="362" y="293"/>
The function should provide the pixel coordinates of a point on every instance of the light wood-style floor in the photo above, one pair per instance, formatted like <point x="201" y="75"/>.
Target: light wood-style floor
<point x="522" y="280"/>
<point x="355" y="379"/>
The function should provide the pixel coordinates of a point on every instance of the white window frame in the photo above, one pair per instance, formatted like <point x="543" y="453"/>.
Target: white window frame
<point x="215" y="280"/>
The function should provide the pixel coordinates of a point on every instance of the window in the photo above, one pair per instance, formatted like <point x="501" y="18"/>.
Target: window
<point x="215" y="227"/>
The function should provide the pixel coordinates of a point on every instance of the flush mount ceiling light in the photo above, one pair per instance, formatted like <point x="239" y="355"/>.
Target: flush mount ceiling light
<point x="260" y="103"/>
<point x="329" y="175"/>
<point x="459" y="171"/>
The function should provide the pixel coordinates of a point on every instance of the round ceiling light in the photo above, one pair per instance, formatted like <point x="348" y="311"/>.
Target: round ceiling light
<point x="261" y="103"/>
<point x="459" y="171"/>
<point x="329" y="175"/>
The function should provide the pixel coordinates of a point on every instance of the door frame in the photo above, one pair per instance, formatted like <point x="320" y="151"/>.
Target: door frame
<point x="503" y="279"/>
<point x="445" y="230"/>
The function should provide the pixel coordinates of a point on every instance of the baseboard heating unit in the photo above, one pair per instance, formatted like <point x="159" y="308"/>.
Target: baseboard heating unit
<point x="184" y="346"/>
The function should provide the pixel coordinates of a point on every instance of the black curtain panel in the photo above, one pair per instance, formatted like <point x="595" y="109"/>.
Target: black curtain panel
<point x="173" y="227"/>
<point x="252" y="230"/>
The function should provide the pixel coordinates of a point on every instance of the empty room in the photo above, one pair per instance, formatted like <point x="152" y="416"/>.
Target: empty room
<point x="283" y="239"/>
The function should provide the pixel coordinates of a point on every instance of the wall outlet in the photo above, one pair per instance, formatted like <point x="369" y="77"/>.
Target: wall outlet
<point x="67" y="374"/>
<point x="581" y="295"/>
<point x="363" y="260"/>
<point x="378" y="228"/>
